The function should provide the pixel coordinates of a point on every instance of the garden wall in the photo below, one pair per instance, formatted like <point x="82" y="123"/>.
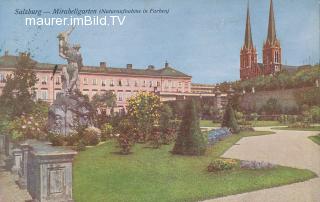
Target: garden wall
<point x="254" y="101"/>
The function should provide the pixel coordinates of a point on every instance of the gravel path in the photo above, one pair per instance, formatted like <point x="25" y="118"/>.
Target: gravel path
<point x="9" y="190"/>
<point x="288" y="148"/>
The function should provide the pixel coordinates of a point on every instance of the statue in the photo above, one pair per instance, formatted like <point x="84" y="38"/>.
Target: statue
<point x="71" y="109"/>
<point x="73" y="56"/>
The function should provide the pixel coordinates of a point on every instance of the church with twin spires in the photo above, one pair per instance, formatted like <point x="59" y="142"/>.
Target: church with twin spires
<point x="271" y="59"/>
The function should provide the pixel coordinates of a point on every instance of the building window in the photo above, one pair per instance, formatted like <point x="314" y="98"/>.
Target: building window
<point x="120" y="83"/>
<point x="44" y="94"/>
<point x="120" y="96"/>
<point x="85" y="81"/>
<point x="158" y="83"/>
<point x="55" y="94"/>
<point x="103" y="83"/>
<point x="180" y="84"/>
<point x="111" y="83"/>
<point x="150" y="83"/>
<point x="85" y="92"/>
<point x="44" y="80"/>
<point x="2" y="79"/>
<point x="58" y="80"/>
<point x="144" y="83"/>
<point x="94" y="82"/>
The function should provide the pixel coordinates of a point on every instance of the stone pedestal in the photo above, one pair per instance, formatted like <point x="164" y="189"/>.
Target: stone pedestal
<point x="25" y="147"/>
<point x="17" y="159"/>
<point x="51" y="176"/>
<point x="2" y="144"/>
<point x="46" y="171"/>
<point x="8" y="146"/>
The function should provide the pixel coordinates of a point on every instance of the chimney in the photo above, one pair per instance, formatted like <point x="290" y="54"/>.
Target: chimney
<point x="166" y="65"/>
<point x="150" y="67"/>
<point x="103" y="64"/>
<point x="6" y="53"/>
<point x="129" y="66"/>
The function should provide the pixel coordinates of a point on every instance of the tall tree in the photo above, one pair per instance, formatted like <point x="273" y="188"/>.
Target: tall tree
<point x="229" y="119"/>
<point x="190" y="140"/>
<point x="18" y="94"/>
<point x="102" y="102"/>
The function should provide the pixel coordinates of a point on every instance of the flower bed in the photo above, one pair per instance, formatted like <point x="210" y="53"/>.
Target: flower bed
<point x="218" y="134"/>
<point x="255" y="165"/>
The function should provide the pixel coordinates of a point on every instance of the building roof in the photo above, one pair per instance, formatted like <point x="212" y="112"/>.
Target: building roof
<point x="272" y="37"/>
<point x="248" y="36"/>
<point x="9" y="61"/>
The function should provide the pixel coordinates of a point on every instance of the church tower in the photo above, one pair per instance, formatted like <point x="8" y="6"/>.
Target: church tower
<point x="271" y="47"/>
<point x="248" y="53"/>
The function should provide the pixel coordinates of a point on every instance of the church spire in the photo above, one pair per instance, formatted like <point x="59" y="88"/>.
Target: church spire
<point x="248" y="37"/>
<point x="271" y="26"/>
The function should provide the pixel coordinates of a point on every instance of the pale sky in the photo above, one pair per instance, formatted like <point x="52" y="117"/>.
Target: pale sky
<point x="201" y="38"/>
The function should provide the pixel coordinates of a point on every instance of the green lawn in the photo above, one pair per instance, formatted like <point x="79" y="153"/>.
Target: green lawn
<point x="313" y="128"/>
<point x="209" y="123"/>
<point x="315" y="139"/>
<point x="265" y="123"/>
<point x="101" y="174"/>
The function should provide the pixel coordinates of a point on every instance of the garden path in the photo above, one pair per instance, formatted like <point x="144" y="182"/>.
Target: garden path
<point x="9" y="190"/>
<point x="287" y="148"/>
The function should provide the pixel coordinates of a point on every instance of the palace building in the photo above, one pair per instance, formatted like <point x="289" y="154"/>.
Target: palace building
<point x="271" y="62"/>
<point x="167" y="82"/>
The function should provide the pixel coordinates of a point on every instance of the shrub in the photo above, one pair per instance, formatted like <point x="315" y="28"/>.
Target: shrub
<point x="80" y="146"/>
<point x="229" y="119"/>
<point x="190" y="140"/>
<point x="60" y="140"/>
<point x="255" y="165"/>
<point x="56" y="139"/>
<point x="168" y="136"/>
<point x="222" y="164"/>
<point x="125" y="143"/>
<point x="144" y="112"/>
<point x="315" y="113"/>
<point x="91" y="136"/>
<point x="155" y="137"/>
<point x="300" y="125"/>
<point x="254" y="116"/>
<point x="126" y="136"/>
<point x="106" y="131"/>
<point x="27" y="126"/>
<point x="167" y="125"/>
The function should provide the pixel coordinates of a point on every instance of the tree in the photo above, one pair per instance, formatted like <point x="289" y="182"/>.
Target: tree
<point x="229" y="119"/>
<point x="190" y="140"/>
<point x="166" y="124"/>
<point x="144" y="112"/>
<point x="102" y="102"/>
<point x="107" y="99"/>
<point x="18" y="94"/>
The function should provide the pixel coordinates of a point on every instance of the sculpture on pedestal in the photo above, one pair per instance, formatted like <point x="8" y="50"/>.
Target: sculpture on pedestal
<point x="70" y="110"/>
